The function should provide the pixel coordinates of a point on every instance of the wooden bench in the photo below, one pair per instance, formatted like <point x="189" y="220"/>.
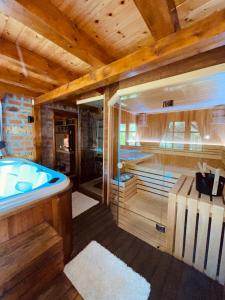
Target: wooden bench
<point x="139" y="212"/>
<point x="29" y="262"/>
<point x="195" y="228"/>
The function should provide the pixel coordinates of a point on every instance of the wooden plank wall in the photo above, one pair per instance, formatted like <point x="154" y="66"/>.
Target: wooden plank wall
<point x="156" y="126"/>
<point x="223" y="155"/>
<point x="56" y="210"/>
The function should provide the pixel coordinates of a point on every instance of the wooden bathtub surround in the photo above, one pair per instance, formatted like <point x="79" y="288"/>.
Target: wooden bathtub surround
<point x="55" y="210"/>
<point x="195" y="229"/>
<point x="29" y="262"/>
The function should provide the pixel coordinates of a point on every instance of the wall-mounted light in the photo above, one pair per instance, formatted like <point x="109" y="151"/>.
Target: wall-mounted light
<point x="207" y="137"/>
<point x="30" y="119"/>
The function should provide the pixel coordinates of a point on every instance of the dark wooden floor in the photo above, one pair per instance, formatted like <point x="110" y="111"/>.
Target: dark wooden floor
<point x="169" y="278"/>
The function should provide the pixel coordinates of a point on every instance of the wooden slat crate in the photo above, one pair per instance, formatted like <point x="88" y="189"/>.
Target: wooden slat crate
<point x="195" y="232"/>
<point x="125" y="190"/>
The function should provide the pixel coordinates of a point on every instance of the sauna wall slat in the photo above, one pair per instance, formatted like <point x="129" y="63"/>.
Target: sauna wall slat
<point x="181" y="212"/>
<point x="192" y="206"/>
<point x="172" y="212"/>
<point x="204" y="213"/>
<point x="217" y="215"/>
<point x="221" y="276"/>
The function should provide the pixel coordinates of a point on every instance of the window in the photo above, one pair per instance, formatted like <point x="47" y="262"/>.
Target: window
<point x="195" y="138"/>
<point x="122" y="134"/>
<point x="174" y="137"/>
<point x="132" y="134"/>
<point x="128" y="134"/>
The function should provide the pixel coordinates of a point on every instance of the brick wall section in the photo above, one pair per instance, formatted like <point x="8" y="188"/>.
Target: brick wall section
<point x="17" y="132"/>
<point x="47" y="123"/>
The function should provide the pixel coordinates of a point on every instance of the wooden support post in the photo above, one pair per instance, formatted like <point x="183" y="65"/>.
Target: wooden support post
<point x="109" y="130"/>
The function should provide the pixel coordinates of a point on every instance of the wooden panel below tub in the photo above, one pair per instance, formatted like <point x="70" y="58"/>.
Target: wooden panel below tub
<point x="56" y="210"/>
<point x="29" y="262"/>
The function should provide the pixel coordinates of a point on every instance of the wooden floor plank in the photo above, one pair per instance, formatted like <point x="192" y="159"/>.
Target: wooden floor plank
<point x="170" y="278"/>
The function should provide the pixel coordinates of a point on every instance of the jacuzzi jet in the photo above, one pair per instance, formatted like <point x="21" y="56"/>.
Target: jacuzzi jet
<point x="53" y="180"/>
<point x="23" y="186"/>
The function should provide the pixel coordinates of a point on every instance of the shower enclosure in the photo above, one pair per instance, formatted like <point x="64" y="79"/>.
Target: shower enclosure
<point x="90" y="126"/>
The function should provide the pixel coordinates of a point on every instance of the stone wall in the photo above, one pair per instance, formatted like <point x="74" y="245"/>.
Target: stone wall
<point x="17" y="132"/>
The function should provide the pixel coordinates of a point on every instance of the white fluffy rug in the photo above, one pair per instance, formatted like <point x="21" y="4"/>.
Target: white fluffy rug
<point x="81" y="203"/>
<point x="99" y="275"/>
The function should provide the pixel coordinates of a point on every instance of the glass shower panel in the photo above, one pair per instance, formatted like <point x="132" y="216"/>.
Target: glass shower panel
<point x="91" y="147"/>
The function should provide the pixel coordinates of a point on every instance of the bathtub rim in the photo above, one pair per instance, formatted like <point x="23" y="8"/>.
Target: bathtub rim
<point x="10" y="206"/>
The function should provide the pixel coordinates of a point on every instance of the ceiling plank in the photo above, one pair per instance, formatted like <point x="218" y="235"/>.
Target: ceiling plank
<point x="161" y="18"/>
<point x="17" y="90"/>
<point x="48" y="21"/>
<point x="199" y="37"/>
<point x="33" y="62"/>
<point x="19" y="79"/>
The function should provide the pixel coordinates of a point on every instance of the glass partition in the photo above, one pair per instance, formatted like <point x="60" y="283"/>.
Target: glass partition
<point x="90" y="119"/>
<point x="155" y="143"/>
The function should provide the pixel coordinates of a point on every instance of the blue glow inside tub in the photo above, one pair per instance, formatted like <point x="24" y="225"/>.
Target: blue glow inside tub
<point x="22" y="181"/>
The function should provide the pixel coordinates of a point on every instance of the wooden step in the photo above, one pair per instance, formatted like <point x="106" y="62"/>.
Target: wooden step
<point x="29" y="262"/>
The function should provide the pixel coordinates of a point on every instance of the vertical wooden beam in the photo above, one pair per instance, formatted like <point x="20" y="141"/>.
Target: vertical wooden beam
<point x="107" y="146"/>
<point x="37" y="133"/>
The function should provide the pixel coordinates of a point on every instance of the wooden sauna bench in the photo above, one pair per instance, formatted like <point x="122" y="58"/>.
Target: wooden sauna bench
<point x="143" y="200"/>
<point x="195" y="232"/>
<point x="138" y="212"/>
<point x="159" y="173"/>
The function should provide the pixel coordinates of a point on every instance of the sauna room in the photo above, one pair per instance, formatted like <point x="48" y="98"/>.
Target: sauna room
<point x="112" y="150"/>
<point x="165" y="130"/>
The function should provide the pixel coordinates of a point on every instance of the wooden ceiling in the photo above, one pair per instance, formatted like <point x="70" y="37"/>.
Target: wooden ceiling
<point x="47" y="43"/>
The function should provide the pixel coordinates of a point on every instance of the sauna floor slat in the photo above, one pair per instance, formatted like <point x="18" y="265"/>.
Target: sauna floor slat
<point x="170" y="278"/>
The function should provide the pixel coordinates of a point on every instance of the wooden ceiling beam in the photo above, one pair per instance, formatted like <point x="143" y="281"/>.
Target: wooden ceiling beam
<point x="45" y="19"/>
<point x="19" y="79"/>
<point x="160" y="16"/>
<point x="32" y="62"/>
<point x="201" y="36"/>
<point x="6" y="88"/>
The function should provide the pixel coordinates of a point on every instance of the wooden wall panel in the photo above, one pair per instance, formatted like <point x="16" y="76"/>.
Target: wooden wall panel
<point x="56" y="210"/>
<point x="151" y="133"/>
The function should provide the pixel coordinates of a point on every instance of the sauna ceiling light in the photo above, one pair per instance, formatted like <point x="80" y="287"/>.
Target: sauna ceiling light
<point x="207" y="137"/>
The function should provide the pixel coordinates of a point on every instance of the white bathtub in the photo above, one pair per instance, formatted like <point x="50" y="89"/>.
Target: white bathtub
<point x="22" y="182"/>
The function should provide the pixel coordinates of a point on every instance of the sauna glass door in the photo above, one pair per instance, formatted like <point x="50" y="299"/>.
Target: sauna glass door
<point x="143" y="183"/>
